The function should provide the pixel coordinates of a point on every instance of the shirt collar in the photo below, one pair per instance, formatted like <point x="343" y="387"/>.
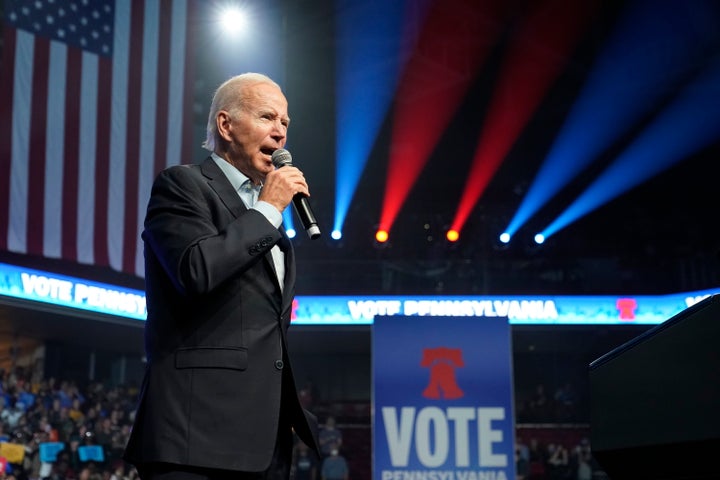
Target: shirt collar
<point x="236" y="177"/>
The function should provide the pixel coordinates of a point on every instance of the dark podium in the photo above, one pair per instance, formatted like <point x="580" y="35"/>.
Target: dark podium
<point x="655" y="400"/>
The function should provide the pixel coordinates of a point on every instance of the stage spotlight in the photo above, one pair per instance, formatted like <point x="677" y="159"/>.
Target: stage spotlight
<point x="452" y="235"/>
<point x="233" y="20"/>
<point x="290" y="232"/>
<point x="539" y="238"/>
<point x="504" y="238"/>
<point x="381" y="236"/>
<point x="336" y="234"/>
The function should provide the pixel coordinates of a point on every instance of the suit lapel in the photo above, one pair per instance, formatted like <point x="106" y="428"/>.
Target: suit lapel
<point x="286" y="247"/>
<point x="288" y="288"/>
<point x="231" y="199"/>
<point x="222" y="186"/>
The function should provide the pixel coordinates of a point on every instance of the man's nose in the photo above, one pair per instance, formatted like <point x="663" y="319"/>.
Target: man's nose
<point x="280" y="130"/>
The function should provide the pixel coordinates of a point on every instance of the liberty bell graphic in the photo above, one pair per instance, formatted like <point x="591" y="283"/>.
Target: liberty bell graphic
<point x="442" y="362"/>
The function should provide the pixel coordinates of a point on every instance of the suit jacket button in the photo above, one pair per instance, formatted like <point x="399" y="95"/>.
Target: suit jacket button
<point x="279" y="364"/>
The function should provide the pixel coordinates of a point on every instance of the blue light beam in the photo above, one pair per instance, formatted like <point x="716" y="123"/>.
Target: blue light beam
<point x="288" y="221"/>
<point x="689" y="124"/>
<point x="369" y="56"/>
<point x="654" y="46"/>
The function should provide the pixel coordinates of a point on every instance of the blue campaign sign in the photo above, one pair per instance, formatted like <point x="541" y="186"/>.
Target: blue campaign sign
<point x="49" y="451"/>
<point x="442" y="398"/>
<point x="90" y="453"/>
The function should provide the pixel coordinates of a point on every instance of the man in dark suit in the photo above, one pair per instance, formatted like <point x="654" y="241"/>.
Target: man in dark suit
<point x="218" y="400"/>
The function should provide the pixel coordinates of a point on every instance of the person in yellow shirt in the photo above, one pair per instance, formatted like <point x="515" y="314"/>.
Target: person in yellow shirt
<point x="76" y="412"/>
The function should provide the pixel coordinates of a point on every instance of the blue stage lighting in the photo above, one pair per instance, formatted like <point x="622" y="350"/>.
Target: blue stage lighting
<point x="288" y="222"/>
<point x="688" y="124"/>
<point x="368" y="61"/>
<point x="654" y="46"/>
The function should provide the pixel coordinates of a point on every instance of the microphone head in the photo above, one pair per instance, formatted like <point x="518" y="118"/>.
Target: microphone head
<point x="281" y="157"/>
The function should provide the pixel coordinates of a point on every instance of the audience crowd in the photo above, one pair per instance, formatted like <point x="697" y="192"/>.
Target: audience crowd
<point x="56" y="429"/>
<point x="560" y="458"/>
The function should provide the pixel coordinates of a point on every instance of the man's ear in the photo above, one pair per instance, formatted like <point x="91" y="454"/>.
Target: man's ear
<point x="223" y="122"/>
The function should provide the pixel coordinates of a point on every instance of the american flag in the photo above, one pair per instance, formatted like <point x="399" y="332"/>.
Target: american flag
<point x="95" y="99"/>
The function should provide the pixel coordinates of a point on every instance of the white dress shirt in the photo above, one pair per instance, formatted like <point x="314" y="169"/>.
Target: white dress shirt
<point x="249" y="193"/>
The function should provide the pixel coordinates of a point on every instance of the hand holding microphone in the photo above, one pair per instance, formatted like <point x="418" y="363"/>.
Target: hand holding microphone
<point x="282" y="158"/>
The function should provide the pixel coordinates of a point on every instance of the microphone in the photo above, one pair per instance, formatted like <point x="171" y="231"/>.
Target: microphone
<point x="280" y="158"/>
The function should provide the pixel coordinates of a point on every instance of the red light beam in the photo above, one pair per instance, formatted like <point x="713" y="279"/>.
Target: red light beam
<point x="534" y="60"/>
<point x="451" y="47"/>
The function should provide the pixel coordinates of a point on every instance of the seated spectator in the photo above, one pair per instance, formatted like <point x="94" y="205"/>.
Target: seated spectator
<point x="583" y="463"/>
<point x="522" y="447"/>
<point x="540" y="404"/>
<point x="538" y="459"/>
<point x="329" y="437"/>
<point x="334" y="467"/>
<point x="11" y="416"/>
<point x="307" y="394"/>
<point x="565" y="402"/>
<point x="522" y="466"/>
<point x="304" y="463"/>
<point x="76" y="412"/>
<point x="558" y="462"/>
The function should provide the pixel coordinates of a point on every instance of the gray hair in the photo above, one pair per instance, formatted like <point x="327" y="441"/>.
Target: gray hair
<point x="231" y="96"/>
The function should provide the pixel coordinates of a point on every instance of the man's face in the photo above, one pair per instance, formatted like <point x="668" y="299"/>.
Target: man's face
<point x="256" y="131"/>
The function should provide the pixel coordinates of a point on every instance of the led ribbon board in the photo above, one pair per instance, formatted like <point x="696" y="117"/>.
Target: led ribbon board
<point x="65" y="291"/>
<point x="578" y="310"/>
<point x="50" y="288"/>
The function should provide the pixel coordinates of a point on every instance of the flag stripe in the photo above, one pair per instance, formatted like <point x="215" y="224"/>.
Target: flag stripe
<point x="118" y="137"/>
<point x="6" y="101"/>
<point x="89" y="132"/>
<point x="85" y="207"/>
<point x="21" y="113"/>
<point x="102" y="166"/>
<point x="71" y="156"/>
<point x="37" y="148"/>
<point x="52" y="216"/>
<point x="162" y="80"/>
<point x="187" y="123"/>
<point x="148" y="121"/>
<point x="176" y="96"/>
<point x="132" y="157"/>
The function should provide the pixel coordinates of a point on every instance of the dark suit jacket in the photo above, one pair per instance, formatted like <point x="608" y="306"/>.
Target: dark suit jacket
<point x="218" y="371"/>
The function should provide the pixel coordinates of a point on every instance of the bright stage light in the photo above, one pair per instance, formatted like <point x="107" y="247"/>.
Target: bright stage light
<point x="381" y="236"/>
<point x="336" y="234"/>
<point x="452" y="235"/>
<point x="539" y="238"/>
<point x="291" y="232"/>
<point x="505" y="237"/>
<point x="233" y="20"/>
